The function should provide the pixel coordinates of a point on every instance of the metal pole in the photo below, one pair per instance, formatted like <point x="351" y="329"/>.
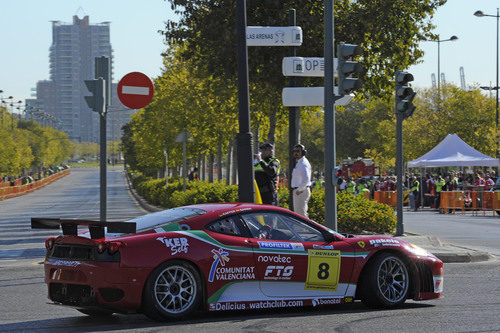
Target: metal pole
<point x="102" y="117"/>
<point x="439" y="70"/>
<point x="330" y="199"/>
<point x="246" y="191"/>
<point x="293" y="119"/>
<point x="399" y="173"/>
<point x="184" y="162"/>
<point x="496" y="88"/>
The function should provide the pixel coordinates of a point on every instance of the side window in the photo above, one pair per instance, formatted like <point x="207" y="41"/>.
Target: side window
<point x="269" y="226"/>
<point x="227" y="226"/>
<point x="277" y="226"/>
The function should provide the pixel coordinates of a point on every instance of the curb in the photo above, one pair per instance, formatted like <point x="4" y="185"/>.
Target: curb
<point x="463" y="257"/>
<point x="140" y="200"/>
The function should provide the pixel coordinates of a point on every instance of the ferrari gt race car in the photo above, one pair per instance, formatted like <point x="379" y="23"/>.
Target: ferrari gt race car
<point x="228" y="257"/>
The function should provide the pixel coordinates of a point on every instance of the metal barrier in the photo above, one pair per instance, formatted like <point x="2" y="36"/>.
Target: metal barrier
<point x="474" y="201"/>
<point x="7" y="192"/>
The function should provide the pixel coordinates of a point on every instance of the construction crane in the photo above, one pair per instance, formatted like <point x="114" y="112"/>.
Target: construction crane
<point x="433" y="78"/>
<point x="443" y="79"/>
<point x="462" y="78"/>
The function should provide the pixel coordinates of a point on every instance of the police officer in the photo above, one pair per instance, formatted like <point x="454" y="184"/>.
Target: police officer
<point x="267" y="169"/>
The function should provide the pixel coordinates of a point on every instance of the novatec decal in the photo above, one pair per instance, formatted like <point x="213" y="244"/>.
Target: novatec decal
<point x="276" y="259"/>
<point x="281" y="246"/>
<point x="220" y="256"/>
<point x="278" y="273"/>
<point x="176" y="245"/>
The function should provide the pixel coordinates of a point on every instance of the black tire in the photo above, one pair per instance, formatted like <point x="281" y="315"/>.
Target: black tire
<point x="96" y="312"/>
<point x="386" y="282"/>
<point x="173" y="290"/>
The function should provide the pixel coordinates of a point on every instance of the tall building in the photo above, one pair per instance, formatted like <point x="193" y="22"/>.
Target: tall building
<point x="72" y="55"/>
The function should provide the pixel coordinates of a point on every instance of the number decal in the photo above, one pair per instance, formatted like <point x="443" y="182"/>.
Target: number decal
<point x="323" y="270"/>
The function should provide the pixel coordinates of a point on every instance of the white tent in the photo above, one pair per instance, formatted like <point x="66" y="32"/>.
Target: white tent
<point x="453" y="151"/>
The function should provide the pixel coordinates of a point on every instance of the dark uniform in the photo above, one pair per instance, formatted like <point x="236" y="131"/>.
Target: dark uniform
<point x="266" y="176"/>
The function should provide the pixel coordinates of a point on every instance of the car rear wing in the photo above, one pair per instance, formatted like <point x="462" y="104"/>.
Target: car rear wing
<point x="70" y="226"/>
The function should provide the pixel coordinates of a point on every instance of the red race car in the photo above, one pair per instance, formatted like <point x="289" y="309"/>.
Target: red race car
<point x="228" y="257"/>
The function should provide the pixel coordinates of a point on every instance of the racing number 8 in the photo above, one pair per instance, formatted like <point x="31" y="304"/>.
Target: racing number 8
<point x="323" y="273"/>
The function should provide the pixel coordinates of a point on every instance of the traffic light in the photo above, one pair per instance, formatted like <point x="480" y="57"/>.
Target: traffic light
<point x="346" y="67"/>
<point x="337" y="176"/>
<point x="404" y="94"/>
<point x="98" y="89"/>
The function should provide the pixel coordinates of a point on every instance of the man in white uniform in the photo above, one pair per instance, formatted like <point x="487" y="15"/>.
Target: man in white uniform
<point x="301" y="180"/>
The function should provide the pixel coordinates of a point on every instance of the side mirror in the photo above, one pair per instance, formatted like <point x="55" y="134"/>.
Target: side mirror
<point x="330" y="237"/>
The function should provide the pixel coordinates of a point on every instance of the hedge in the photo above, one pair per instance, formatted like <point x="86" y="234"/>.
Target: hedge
<point x="355" y="214"/>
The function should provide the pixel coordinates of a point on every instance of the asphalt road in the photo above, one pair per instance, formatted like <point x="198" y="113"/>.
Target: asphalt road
<point x="471" y="303"/>
<point x="73" y="196"/>
<point x="481" y="233"/>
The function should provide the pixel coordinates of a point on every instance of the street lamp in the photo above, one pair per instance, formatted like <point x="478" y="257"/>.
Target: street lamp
<point x="481" y="14"/>
<point x="439" y="41"/>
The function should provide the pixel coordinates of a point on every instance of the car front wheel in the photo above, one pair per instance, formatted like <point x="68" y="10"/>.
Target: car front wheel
<point x="173" y="290"/>
<point x="386" y="283"/>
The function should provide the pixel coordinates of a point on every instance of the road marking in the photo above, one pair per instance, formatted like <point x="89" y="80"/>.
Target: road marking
<point x="135" y="90"/>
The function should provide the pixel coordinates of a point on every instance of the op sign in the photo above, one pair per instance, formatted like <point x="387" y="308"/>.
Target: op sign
<point x="135" y="90"/>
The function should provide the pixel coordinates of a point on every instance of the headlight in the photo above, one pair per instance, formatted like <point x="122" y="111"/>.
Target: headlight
<point x="417" y="250"/>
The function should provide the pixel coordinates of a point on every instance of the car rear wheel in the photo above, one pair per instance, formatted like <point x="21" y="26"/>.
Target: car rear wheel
<point x="173" y="290"/>
<point x="386" y="282"/>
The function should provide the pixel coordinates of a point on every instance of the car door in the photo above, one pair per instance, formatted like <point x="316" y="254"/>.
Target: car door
<point x="293" y="259"/>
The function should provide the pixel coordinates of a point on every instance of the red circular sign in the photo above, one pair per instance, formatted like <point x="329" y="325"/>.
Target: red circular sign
<point x="135" y="90"/>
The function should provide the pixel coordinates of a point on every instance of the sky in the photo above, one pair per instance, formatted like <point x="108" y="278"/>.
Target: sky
<point x="26" y="31"/>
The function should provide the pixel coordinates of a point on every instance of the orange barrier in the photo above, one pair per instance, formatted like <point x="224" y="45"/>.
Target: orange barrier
<point x="474" y="201"/>
<point x="7" y="192"/>
<point x="386" y="197"/>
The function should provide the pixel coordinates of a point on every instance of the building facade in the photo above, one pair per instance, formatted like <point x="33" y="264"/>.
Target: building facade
<point x="72" y="60"/>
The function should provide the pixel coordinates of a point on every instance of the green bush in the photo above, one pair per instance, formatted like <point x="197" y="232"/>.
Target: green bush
<point x="355" y="214"/>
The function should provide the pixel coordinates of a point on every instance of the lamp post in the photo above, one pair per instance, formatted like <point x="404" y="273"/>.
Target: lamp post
<point x="439" y="41"/>
<point x="481" y="14"/>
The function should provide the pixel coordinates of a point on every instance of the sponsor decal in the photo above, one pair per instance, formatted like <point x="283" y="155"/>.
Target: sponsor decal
<point x="384" y="242"/>
<point x="235" y="211"/>
<point x="325" y="301"/>
<point x="361" y="244"/>
<point x="235" y="273"/>
<point x="281" y="246"/>
<point x="348" y="299"/>
<point x="220" y="256"/>
<point x="276" y="259"/>
<point x="438" y="284"/>
<point x="222" y="306"/>
<point x="278" y="273"/>
<point x="323" y="247"/>
<point x="176" y="245"/>
<point x="69" y="263"/>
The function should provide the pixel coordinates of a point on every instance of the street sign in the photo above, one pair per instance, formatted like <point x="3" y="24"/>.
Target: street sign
<point x="300" y="66"/>
<point x="135" y="90"/>
<point x="274" y="36"/>
<point x="310" y="96"/>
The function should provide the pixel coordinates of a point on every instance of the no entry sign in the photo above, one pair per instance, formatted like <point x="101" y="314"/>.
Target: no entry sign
<point x="135" y="90"/>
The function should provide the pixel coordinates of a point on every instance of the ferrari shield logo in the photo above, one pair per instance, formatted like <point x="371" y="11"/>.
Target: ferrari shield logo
<point x="361" y="244"/>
